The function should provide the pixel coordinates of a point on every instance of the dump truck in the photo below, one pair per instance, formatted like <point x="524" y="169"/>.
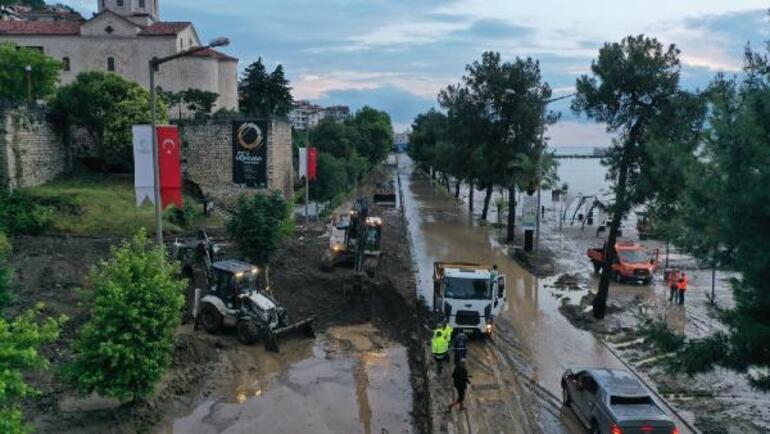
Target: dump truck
<point x="632" y="263"/>
<point x="467" y="295"/>
<point x="385" y="194"/>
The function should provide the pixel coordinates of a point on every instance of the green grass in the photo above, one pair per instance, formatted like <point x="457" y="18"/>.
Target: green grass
<point x="101" y="205"/>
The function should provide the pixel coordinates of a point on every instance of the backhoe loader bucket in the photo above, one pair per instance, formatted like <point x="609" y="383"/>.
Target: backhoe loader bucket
<point x="305" y="326"/>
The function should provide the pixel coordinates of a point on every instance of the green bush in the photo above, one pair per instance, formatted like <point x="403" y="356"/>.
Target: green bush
<point x="125" y="347"/>
<point x="5" y="271"/>
<point x="658" y="333"/>
<point x="20" y="213"/>
<point x="19" y="343"/>
<point x="184" y="217"/>
<point x="258" y="224"/>
<point x="700" y="355"/>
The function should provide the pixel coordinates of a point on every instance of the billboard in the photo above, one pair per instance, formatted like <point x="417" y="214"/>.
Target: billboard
<point x="250" y="153"/>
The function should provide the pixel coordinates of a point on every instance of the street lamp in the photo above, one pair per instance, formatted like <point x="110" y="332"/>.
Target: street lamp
<point x="28" y="73"/>
<point x="154" y="66"/>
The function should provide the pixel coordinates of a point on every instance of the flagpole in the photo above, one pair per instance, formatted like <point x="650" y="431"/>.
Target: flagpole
<point x="156" y="168"/>
<point x="307" y="178"/>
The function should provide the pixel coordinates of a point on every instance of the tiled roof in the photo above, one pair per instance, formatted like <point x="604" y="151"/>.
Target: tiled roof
<point x="40" y="28"/>
<point x="210" y="52"/>
<point x="165" y="28"/>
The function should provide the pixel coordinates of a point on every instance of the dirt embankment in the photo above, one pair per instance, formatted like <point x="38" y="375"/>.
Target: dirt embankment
<point x="52" y="269"/>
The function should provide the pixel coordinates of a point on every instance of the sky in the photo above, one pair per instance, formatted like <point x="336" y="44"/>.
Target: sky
<point x="395" y="55"/>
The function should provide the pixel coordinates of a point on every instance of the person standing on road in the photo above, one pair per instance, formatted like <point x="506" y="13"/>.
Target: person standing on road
<point x="682" y="286"/>
<point x="673" y="284"/>
<point x="440" y="347"/>
<point x="460" y="347"/>
<point x="460" y="378"/>
<point x="493" y="276"/>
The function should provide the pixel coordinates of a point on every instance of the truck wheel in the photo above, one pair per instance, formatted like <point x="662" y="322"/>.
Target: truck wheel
<point x="248" y="332"/>
<point x="211" y="318"/>
<point x="647" y="281"/>
<point x="597" y="266"/>
<point x="619" y="277"/>
<point x="594" y="428"/>
<point x="565" y="399"/>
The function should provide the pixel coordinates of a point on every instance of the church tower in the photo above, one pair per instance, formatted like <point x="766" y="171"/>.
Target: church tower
<point x="142" y="12"/>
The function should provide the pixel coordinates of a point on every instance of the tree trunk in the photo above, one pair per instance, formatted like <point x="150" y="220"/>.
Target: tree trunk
<point x="446" y="183"/>
<point x="511" y="213"/>
<point x="457" y="189"/>
<point x="487" y="197"/>
<point x="600" y="302"/>
<point x="470" y="198"/>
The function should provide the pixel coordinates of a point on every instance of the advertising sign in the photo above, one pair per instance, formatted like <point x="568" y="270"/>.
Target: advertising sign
<point x="529" y="213"/>
<point x="250" y="153"/>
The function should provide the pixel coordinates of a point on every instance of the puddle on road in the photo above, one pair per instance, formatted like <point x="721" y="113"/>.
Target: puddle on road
<point x="349" y="380"/>
<point x="440" y="230"/>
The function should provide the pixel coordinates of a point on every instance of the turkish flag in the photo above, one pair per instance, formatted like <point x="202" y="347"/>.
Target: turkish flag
<point x="312" y="164"/>
<point x="169" y="162"/>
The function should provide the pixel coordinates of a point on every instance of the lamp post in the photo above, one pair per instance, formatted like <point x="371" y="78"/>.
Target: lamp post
<point x="28" y="73"/>
<point x="154" y="65"/>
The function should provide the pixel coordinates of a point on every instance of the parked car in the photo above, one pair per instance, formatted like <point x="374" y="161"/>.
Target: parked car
<point x="610" y="401"/>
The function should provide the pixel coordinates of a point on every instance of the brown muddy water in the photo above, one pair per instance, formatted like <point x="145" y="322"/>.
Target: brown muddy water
<point x="350" y="379"/>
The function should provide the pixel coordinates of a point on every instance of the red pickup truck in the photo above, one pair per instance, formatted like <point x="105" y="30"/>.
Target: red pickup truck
<point x="632" y="262"/>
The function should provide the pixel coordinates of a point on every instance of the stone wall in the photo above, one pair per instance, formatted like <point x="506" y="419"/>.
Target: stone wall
<point x="207" y="159"/>
<point x="32" y="152"/>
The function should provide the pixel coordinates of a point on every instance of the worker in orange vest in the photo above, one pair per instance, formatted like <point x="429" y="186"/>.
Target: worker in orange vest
<point x="673" y="284"/>
<point x="682" y="286"/>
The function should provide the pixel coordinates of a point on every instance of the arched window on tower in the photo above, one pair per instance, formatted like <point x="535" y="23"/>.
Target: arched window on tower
<point x="111" y="64"/>
<point x="66" y="63"/>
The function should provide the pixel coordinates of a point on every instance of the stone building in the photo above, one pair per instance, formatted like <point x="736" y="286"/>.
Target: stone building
<point x="122" y="37"/>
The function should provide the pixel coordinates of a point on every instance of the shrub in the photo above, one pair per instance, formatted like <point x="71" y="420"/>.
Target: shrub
<point x="700" y="355"/>
<point x="22" y="214"/>
<point x="5" y="271"/>
<point x="258" y="225"/>
<point x="658" y="333"/>
<point x="124" y="349"/>
<point x="19" y="343"/>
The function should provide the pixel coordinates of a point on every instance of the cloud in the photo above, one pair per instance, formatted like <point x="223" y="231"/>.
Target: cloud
<point x="575" y="133"/>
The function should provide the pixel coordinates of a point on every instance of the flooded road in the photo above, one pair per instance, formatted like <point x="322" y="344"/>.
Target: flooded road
<point x="349" y="380"/>
<point x="534" y="339"/>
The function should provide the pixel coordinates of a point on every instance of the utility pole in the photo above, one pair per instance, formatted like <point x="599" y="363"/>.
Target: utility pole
<point x="154" y="65"/>
<point x="28" y="73"/>
<point x="307" y="176"/>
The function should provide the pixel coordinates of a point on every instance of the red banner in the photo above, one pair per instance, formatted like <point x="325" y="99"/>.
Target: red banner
<point x="170" y="165"/>
<point x="312" y="164"/>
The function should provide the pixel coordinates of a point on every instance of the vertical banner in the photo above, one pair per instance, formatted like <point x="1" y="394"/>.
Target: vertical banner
<point x="250" y="153"/>
<point x="312" y="164"/>
<point x="170" y="165"/>
<point x="302" y="162"/>
<point x="144" y="170"/>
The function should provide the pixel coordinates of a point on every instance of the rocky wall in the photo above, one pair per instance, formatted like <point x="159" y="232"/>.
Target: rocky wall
<point x="32" y="152"/>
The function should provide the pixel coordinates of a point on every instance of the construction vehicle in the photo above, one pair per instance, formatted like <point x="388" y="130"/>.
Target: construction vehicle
<point x="355" y="238"/>
<point x="231" y="297"/>
<point x="631" y="262"/>
<point x="468" y="296"/>
<point x="385" y="194"/>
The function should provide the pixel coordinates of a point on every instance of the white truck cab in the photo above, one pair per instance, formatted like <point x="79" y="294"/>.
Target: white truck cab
<point x="467" y="295"/>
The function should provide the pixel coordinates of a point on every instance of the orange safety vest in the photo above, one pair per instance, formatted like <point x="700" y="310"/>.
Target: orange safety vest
<point x="673" y="278"/>
<point x="682" y="283"/>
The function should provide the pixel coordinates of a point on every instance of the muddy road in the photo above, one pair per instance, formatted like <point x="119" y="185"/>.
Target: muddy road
<point x="516" y="374"/>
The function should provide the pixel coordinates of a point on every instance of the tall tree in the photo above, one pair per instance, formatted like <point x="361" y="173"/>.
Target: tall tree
<point x="106" y="105"/>
<point x="14" y="85"/>
<point x="375" y="134"/>
<point x="632" y="83"/>
<point x="263" y="94"/>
